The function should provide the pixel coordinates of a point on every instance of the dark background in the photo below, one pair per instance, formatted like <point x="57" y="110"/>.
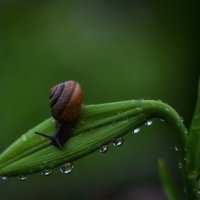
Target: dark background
<point x="117" y="50"/>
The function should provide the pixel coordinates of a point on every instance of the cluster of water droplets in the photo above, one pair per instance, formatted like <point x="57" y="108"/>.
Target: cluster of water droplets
<point x="116" y="143"/>
<point x="137" y="130"/>
<point x="119" y="141"/>
<point x="20" y="178"/>
<point x="67" y="168"/>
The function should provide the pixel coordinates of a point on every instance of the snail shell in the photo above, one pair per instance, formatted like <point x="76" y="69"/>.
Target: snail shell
<point x="65" y="101"/>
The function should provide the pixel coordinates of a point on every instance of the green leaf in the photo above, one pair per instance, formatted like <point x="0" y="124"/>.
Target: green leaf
<point x="192" y="149"/>
<point x="167" y="182"/>
<point x="98" y="125"/>
<point x="193" y="142"/>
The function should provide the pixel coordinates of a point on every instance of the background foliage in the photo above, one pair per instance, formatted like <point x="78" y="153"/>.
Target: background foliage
<point x="117" y="50"/>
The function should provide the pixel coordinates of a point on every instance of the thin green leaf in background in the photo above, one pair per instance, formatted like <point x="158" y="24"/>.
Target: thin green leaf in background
<point x="167" y="182"/>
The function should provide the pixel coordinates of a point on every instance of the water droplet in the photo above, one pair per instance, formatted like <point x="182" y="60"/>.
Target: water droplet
<point x="24" y="138"/>
<point x="141" y="100"/>
<point x="136" y="130"/>
<point x="176" y="148"/>
<point x="180" y="165"/>
<point x="4" y="178"/>
<point x="186" y="131"/>
<point x="103" y="149"/>
<point x="149" y="122"/>
<point x="198" y="192"/>
<point x="118" y="142"/>
<point x="66" y="168"/>
<point x="181" y="118"/>
<point x="22" y="177"/>
<point x="46" y="172"/>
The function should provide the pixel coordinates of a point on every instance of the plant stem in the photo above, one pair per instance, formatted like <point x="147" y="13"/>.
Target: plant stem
<point x="175" y="122"/>
<point x="171" y="117"/>
<point x="193" y="154"/>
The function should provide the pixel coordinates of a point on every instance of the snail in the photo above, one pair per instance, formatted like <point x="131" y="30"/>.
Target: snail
<point x="65" y="102"/>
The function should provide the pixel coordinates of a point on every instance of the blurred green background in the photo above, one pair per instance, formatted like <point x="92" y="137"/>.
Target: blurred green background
<point x="117" y="50"/>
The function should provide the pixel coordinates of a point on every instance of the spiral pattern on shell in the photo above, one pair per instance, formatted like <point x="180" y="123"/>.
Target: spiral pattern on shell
<point x="65" y="101"/>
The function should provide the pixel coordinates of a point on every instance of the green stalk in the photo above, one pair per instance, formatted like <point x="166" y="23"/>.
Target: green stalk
<point x="170" y="116"/>
<point x="193" y="155"/>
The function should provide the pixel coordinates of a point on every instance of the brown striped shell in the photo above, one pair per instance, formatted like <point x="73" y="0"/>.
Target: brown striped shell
<point x="65" y="101"/>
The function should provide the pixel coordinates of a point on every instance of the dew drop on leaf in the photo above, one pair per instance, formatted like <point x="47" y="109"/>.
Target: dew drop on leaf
<point x="141" y="100"/>
<point x="24" y="138"/>
<point x="181" y="118"/>
<point x="66" y="168"/>
<point x="149" y="122"/>
<point x="198" y="193"/>
<point x="4" y="178"/>
<point x="46" y="172"/>
<point x="180" y="165"/>
<point x="118" y="142"/>
<point x="103" y="149"/>
<point x="22" y="177"/>
<point x="136" y="130"/>
<point x="176" y="148"/>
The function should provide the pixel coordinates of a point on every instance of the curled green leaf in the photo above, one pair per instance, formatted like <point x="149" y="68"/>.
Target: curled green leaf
<point x="98" y="125"/>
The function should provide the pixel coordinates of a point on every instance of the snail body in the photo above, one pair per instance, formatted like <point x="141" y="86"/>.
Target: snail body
<point x="65" y="102"/>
